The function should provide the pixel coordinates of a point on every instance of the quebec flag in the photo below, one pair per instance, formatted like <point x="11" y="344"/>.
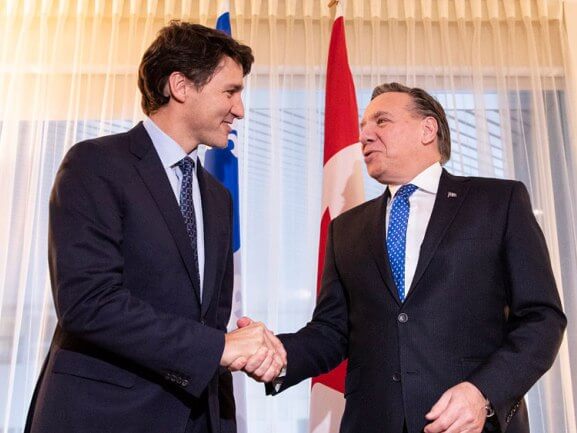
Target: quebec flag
<point x="223" y="164"/>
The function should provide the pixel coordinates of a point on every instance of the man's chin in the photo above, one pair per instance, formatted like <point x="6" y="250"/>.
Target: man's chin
<point x="374" y="172"/>
<point x="219" y="145"/>
<point x="380" y="176"/>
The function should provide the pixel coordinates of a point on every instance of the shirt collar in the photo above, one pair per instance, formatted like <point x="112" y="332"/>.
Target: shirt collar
<point x="427" y="180"/>
<point x="168" y="150"/>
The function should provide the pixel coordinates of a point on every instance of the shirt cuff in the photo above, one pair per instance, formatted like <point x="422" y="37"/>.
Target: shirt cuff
<point x="278" y="381"/>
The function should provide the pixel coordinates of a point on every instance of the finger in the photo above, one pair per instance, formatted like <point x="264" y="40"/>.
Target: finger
<point x="244" y="321"/>
<point x="278" y="347"/>
<point x="457" y="427"/>
<point x="449" y="418"/>
<point x="478" y="429"/>
<point x="277" y="363"/>
<point x="256" y="360"/>
<point x="267" y="340"/>
<point x="464" y="421"/>
<point x="439" y="407"/>
<point x="440" y="425"/>
<point x="270" y="374"/>
<point x="278" y="358"/>
<point x="237" y="364"/>
<point x="265" y="365"/>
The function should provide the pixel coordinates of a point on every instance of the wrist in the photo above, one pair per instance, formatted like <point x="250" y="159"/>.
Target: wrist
<point x="226" y="357"/>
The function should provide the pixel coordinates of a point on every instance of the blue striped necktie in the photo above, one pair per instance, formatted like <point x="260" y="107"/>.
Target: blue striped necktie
<point x="186" y="166"/>
<point x="397" y="235"/>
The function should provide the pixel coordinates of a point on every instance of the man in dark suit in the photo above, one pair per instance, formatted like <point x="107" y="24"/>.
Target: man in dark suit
<point x="141" y="259"/>
<point x="440" y="292"/>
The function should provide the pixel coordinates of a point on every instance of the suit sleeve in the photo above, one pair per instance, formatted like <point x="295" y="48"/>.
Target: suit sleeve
<point x="322" y="344"/>
<point x="535" y="321"/>
<point x="86" y="261"/>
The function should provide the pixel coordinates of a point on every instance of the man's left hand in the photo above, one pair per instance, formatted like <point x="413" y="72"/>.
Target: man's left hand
<point x="461" y="409"/>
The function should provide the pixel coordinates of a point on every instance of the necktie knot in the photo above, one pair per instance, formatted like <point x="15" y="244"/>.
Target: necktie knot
<point x="186" y="166"/>
<point x="406" y="190"/>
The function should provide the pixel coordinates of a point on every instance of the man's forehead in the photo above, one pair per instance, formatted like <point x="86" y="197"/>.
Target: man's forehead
<point x="229" y="72"/>
<point x="228" y="64"/>
<point x="387" y="103"/>
<point x="391" y="99"/>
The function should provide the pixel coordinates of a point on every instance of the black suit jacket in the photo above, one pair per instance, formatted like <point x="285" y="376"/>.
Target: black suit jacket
<point x="135" y="349"/>
<point x="483" y="307"/>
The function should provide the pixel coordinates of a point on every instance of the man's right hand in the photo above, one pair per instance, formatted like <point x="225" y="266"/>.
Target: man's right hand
<point x="252" y="344"/>
<point x="266" y="362"/>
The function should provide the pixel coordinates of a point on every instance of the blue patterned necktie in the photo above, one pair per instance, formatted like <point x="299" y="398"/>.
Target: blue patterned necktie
<point x="186" y="166"/>
<point x="397" y="235"/>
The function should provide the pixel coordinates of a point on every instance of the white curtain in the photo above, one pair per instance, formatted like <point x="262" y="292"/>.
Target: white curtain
<point x="68" y="72"/>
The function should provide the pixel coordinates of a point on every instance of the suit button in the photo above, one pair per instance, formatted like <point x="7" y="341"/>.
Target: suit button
<point x="397" y="377"/>
<point x="403" y="318"/>
<point x="202" y="322"/>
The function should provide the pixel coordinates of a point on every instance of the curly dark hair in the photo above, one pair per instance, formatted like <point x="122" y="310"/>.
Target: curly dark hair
<point x="194" y="50"/>
<point x="424" y="105"/>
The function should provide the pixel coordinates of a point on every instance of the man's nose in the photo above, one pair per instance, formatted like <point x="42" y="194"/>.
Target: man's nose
<point x="366" y="135"/>
<point x="238" y="108"/>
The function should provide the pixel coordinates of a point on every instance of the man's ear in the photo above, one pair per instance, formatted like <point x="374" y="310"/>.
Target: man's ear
<point x="430" y="128"/>
<point x="176" y="86"/>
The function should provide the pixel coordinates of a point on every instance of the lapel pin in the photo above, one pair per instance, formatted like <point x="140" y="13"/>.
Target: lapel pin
<point x="451" y="194"/>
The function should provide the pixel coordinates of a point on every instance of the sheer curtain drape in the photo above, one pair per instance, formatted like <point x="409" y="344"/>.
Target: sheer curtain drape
<point x="67" y="72"/>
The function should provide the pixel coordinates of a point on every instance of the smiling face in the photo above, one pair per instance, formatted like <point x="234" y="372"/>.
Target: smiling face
<point x="209" y="112"/>
<point x="397" y="144"/>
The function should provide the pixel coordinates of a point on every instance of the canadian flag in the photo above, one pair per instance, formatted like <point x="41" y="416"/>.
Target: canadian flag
<point x="342" y="189"/>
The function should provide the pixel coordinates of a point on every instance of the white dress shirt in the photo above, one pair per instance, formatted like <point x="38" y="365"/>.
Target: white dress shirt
<point x="421" y="207"/>
<point x="170" y="154"/>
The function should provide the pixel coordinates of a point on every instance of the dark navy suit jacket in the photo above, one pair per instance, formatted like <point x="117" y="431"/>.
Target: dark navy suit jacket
<point x="483" y="307"/>
<point x="135" y="349"/>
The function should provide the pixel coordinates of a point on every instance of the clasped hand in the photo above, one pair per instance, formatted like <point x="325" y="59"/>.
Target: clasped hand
<point x="461" y="409"/>
<point x="255" y="350"/>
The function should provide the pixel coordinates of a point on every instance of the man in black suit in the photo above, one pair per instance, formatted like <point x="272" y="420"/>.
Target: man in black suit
<point x="141" y="259"/>
<point x="440" y="292"/>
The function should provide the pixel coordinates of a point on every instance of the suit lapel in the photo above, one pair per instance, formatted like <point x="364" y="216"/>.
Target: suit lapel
<point x="215" y="233"/>
<point x="375" y="237"/>
<point x="450" y="196"/>
<point x="153" y="175"/>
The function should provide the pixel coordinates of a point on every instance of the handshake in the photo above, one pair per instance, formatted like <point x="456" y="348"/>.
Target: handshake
<point x="254" y="349"/>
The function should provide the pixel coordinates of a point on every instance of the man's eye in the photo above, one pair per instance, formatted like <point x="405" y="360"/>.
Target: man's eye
<point x="380" y="121"/>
